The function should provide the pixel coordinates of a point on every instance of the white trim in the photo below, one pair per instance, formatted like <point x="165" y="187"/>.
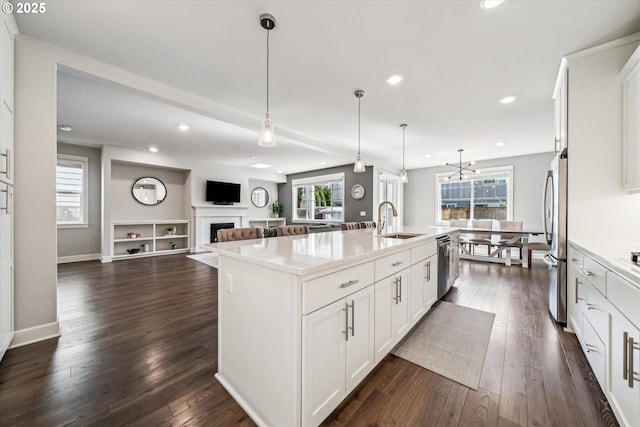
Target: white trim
<point x="562" y="72"/>
<point x="506" y="170"/>
<point x="84" y="222"/>
<point x="35" y="334"/>
<point x="631" y="38"/>
<point x="319" y="178"/>
<point x="78" y="258"/>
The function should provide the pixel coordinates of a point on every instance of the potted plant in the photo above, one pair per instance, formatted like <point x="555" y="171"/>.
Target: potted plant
<point x="276" y="208"/>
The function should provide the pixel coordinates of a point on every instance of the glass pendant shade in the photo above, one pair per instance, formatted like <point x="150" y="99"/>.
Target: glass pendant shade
<point x="358" y="166"/>
<point x="403" y="176"/>
<point x="268" y="135"/>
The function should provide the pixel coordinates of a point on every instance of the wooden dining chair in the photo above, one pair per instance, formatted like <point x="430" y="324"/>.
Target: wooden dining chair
<point x="536" y="246"/>
<point x="464" y="238"/>
<point x="503" y="240"/>
<point x="350" y="225"/>
<point x="292" y="230"/>
<point x="368" y="224"/>
<point x="230" y="234"/>
<point x="481" y="238"/>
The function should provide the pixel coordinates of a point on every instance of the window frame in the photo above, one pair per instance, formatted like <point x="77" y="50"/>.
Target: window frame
<point x="312" y="181"/>
<point x="486" y="173"/>
<point x="84" y="195"/>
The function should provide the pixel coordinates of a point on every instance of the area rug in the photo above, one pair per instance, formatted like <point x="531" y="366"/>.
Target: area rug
<point x="451" y="341"/>
<point x="208" y="258"/>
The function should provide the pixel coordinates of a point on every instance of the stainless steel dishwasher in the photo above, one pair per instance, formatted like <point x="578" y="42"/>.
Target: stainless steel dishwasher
<point x="444" y="252"/>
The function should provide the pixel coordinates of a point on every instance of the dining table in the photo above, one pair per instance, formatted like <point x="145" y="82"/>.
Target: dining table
<point x="502" y="252"/>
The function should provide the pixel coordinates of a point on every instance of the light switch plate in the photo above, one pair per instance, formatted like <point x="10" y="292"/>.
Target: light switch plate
<point x="363" y="213"/>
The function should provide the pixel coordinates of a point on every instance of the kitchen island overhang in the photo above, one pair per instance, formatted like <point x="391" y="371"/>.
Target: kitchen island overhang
<point x="268" y="290"/>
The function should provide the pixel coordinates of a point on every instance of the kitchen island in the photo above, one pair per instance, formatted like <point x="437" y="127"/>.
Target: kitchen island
<point x="303" y="319"/>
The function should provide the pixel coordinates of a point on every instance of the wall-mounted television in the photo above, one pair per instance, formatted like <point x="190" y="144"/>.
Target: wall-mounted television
<point x="222" y="193"/>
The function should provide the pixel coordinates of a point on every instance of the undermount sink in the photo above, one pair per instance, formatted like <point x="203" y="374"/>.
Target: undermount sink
<point x="400" y="235"/>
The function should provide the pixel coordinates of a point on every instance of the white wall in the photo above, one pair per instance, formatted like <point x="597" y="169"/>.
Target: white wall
<point x="528" y="179"/>
<point x="35" y="267"/>
<point x="599" y="209"/>
<point x="125" y="208"/>
<point x="272" y="189"/>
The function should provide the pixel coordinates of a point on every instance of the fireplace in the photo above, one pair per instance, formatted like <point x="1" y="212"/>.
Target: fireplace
<point x="218" y="226"/>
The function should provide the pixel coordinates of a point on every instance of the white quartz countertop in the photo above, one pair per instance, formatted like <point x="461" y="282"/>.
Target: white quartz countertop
<point x="317" y="252"/>
<point x="615" y="255"/>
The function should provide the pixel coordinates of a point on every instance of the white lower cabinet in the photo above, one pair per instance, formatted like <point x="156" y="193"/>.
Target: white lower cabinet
<point x="392" y="319"/>
<point x="423" y="291"/>
<point x="337" y="353"/>
<point x="624" y="387"/>
<point x="605" y="316"/>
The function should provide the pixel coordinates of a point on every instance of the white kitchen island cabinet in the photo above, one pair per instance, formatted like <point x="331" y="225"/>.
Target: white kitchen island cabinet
<point x="297" y="316"/>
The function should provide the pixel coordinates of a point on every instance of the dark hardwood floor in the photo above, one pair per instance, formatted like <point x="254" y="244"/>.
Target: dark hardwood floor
<point x="139" y="347"/>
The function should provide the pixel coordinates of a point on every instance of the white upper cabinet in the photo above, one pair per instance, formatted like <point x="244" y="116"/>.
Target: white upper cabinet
<point x="631" y="123"/>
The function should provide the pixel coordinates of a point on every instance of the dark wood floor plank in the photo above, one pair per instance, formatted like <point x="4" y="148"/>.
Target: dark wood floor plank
<point x="139" y="347"/>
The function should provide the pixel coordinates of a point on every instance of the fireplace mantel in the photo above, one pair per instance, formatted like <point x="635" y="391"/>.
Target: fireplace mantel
<point x="205" y="215"/>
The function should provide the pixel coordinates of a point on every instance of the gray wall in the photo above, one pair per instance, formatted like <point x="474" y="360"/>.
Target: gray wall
<point x="125" y="208"/>
<point x="352" y="207"/>
<point x="528" y="180"/>
<point x="84" y="242"/>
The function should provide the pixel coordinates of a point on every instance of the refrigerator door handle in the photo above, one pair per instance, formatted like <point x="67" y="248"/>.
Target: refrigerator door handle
<point x="545" y="208"/>
<point x="547" y="260"/>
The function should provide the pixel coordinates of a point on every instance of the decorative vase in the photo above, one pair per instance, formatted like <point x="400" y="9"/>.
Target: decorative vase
<point x="276" y="215"/>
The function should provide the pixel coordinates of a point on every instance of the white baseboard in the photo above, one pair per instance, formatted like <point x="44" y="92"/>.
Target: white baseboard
<point x="35" y="334"/>
<point x="104" y="259"/>
<point x="77" y="258"/>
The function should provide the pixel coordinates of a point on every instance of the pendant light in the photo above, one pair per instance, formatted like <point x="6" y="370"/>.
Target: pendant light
<point x="268" y="134"/>
<point x="462" y="170"/>
<point x="358" y="166"/>
<point x="403" y="175"/>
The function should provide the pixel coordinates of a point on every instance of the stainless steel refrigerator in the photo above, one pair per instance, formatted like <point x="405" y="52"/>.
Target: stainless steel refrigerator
<point x="555" y="229"/>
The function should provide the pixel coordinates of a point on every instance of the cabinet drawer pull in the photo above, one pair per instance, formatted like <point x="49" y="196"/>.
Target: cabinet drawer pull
<point x="349" y="283"/>
<point x="591" y="348"/>
<point x="397" y="263"/>
<point x="590" y="273"/>
<point x="576" y="292"/>
<point x="590" y="306"/>
<point x="8" y="206"/>
<point x="574" y="260"/>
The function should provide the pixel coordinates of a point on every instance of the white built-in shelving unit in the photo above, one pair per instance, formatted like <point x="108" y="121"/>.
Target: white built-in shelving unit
<point x="152" y="234"/>
<point x="267" y="222"/>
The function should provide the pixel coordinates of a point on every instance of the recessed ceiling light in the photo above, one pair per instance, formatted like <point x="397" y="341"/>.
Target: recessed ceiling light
<point x="323" y="163"/>
<point x="279" y="171"/>
<point x="507" y="99"/>
<point x="490" y="4"/>
<point x="260" y="165"/>
<point x="182" y="126"/>
<point x="153" y="149"/>
<point x="64" y="128"/>
<point x="500" y="143"/>
<point x="394" y="79"/>
<point x="427" y="155"/>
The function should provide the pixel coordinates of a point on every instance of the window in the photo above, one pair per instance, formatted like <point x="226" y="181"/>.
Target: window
<point x="488" y="195"/>
<point x="71" y="190"/>
<point x="318" y="199"/>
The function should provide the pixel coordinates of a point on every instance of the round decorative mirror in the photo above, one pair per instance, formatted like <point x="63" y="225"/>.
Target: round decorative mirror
<point x="149" y="191"/>
<point x="259" y="197"/>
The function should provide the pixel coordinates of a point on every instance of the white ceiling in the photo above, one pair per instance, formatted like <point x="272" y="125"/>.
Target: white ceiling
<point x="457" y="58"/>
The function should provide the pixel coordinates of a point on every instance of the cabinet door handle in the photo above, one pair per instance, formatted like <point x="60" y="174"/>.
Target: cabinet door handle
<point x="397" y="263"/>
<point x="346" y="320"/>
<point x="428" y="267"/>
<point x="576" y="292"/>
<point x="349" y="283"/>
<point x="400" y="287"/>
<point x="625" y="360"/>
<point x="353" y="317"/>
<point x="395" y="282"/>
<point x="8" y="206"/>
<point x="7" y="170"/>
